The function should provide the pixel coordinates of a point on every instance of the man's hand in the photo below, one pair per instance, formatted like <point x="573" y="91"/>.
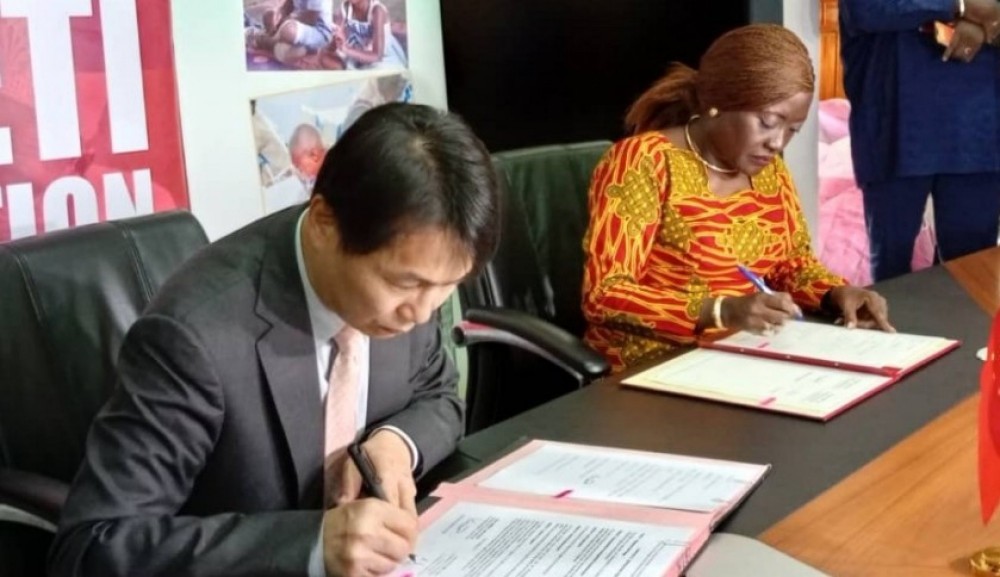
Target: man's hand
<point x="367" y="537"/>
<point x="985" y="13"/>
<point x="390" y="457"/>
<point x="966" y="42"/>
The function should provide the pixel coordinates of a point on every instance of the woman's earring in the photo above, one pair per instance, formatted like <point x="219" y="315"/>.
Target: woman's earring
<point x="713" y="112"/>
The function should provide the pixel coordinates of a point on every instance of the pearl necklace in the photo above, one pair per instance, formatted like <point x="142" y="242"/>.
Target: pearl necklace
<point x="697" y="153"/>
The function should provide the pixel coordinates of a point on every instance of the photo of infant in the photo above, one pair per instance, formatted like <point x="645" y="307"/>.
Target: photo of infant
<point x="293" y="131"/>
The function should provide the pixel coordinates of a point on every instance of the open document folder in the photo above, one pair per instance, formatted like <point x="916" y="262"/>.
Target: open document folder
<point x="559" y="509"/>
<point x="807" y="369"/>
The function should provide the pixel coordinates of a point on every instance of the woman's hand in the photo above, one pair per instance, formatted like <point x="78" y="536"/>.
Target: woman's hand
<point x="861" y="308"/>
<point x="758" y="313"/>
<point x="966" y="42"/>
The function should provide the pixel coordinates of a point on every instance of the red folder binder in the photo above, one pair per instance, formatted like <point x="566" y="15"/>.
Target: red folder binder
<point x="807" y="369"/>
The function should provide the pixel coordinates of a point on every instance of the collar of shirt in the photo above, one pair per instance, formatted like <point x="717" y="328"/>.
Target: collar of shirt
<point x="325" y="323"/>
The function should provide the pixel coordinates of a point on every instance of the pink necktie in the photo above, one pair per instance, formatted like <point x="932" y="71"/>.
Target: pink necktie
<point x="341" y="407"/>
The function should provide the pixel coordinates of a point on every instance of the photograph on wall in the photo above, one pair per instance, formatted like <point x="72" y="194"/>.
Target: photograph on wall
<point x="293" y="131"/>
<point x="89" y="118"/>
<point x="325" y="35"/>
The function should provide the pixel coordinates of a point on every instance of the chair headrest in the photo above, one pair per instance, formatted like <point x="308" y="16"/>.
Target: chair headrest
<point x="68" y="299"/>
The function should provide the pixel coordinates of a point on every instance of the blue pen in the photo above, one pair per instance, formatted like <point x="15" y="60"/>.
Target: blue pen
<point x="759" y="283"/>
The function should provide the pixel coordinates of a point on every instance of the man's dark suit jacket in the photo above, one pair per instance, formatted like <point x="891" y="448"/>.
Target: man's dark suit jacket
<point x="207" y="458"/>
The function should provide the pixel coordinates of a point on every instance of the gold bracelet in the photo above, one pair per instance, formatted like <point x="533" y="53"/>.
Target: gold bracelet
<point x="717" y="312"/>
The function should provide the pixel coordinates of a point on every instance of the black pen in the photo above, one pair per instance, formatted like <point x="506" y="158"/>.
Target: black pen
<point x="369" y="477"/>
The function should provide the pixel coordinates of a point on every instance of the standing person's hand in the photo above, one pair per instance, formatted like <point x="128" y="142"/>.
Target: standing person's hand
<point x="985" y="13"/>
<point x="367" y="537"/>
<point x="966" y="42"/>
<point x="759" y="313"/>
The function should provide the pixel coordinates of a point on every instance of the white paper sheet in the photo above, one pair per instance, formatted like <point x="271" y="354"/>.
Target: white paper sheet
<point x="625" y="477"/>
<point x="835" y="344"/>
<point x="779" y="385"/>
<point x="477" y="540"/>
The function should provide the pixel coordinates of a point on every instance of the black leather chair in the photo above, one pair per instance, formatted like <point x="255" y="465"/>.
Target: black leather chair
<point x="68" y="299"/>
<point x="523" y="312"/>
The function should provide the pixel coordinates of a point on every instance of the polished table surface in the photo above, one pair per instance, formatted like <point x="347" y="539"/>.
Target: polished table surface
<point x="887" y="488"/>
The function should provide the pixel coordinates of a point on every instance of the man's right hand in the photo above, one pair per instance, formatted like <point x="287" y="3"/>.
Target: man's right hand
<point x="367" y="537"/>
<point x="965" y="42"/>
<point x="758" y="313"/>
<point x="986" y="13"/>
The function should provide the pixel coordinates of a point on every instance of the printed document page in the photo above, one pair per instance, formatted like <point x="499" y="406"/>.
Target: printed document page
<point x="472" y="539"/>
<point x="801" y="389"/>
<point x="835" y="344"/>
<point x="622" y="476"/>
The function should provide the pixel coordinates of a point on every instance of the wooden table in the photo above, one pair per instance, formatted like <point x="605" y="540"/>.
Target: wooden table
<point x="914" y="510"/>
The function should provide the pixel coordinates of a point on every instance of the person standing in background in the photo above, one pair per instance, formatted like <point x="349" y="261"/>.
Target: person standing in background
<point x="925" y="120"/>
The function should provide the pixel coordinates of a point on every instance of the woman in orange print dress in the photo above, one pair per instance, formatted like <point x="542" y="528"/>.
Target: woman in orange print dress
<point x="700" y="188"/>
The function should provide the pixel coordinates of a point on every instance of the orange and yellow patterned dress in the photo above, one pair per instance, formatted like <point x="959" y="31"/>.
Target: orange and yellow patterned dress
<point x="659" y="243"/>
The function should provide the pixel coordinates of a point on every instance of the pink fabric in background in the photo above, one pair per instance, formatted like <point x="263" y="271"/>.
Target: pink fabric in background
<point x="842" y="240"/>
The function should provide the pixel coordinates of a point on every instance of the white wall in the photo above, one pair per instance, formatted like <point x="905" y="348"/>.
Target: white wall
<point x="802" y="17"/>
<point x="215" y="91"/>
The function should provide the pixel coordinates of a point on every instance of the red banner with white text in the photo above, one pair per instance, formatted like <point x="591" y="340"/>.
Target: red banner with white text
<point x="89" y="119"/>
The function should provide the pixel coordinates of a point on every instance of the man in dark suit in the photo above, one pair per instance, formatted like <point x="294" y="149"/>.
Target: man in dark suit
<point x="209" y="457"/>
<point x="925" y="120"/>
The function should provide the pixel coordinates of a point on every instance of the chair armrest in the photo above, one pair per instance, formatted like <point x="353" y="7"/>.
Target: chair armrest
<point x="38" y="496"/>
<point x="519" y="329"/>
